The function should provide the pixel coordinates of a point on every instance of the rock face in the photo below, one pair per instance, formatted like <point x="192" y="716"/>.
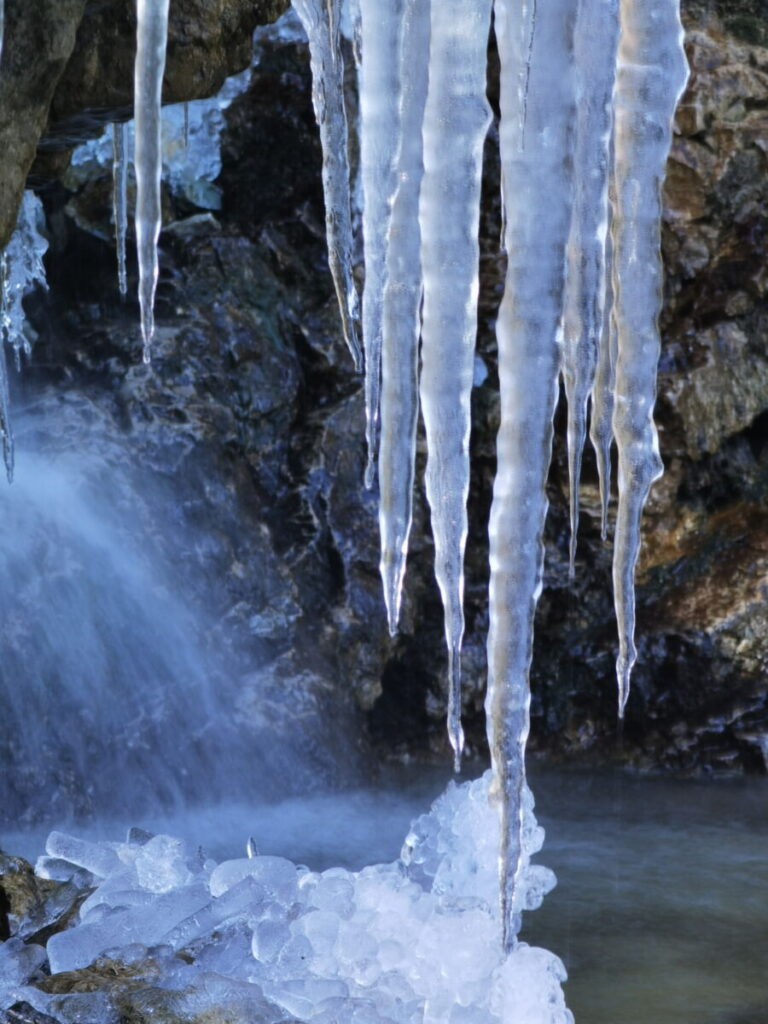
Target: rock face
<point x="68" y="68"/>
<point x="252" y="417"/>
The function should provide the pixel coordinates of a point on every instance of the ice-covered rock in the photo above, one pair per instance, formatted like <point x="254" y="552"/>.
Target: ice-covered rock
<point x="417" y="941"/>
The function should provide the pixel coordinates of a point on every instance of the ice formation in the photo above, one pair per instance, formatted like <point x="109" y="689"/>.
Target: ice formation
<point x="120" y="200"/>
<point x="379" y="125"/>
<point x="411" y="942"/>
<point x="322" y="23"/>
<point x="401" y="314"/>
<point x="650" y="78"/>
<point x="151" y="41"/>
<point x="597" y="31"/>
<point x="574" y="115"/>
<point x="21" y="268"/>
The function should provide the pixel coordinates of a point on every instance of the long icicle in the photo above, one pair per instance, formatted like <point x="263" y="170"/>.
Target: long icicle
<point x="6" y="426"/>
<point x="601" y="403"/>
<point x="538" y="194"/>
<point x="120" y="200"/>
<point x="401" y="315"/>
<point x="379" y="130"/>
<point x="151" y="44"/>
<point x="2" y="27"/>
<point x="321" y="20"/>
<point x="597" y="31"/>
<point x="456" y="121"/>
<point x="651" y="76"/>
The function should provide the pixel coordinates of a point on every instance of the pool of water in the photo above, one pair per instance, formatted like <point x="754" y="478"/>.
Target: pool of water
<point x="661" y="909"/>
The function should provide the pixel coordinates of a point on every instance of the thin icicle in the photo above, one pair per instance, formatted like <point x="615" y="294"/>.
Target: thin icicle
<point x="321" y="20"/>
<point x="538" y="193"/>
<point x="120" y="199"/>
<point x="597" y="32"/>
<point x="151" y="43"/>
<point x="186" y="126"/>
<point x="456" y="121"/>
<point x="601" y="417"/>
<point x="401" y="317"/>
<point x="651" y="76"/>
<point x="6" y="427"/>
<point x="2" y="27"/>
<point x="379" y="131"/>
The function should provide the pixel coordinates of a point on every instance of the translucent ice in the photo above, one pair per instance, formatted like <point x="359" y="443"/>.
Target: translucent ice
<point x="401" y="314"/>
<point x="120" y="199"/>
<point x="535" y="141"/>
<point x="456" y="120"/>
<point x="404" y="943"/>
<point x="651" y="75"/>
<point x="151" y="42"/>
<point x="321" y="20"/>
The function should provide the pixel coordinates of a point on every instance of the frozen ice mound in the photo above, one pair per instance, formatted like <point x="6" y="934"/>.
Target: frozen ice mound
<point x="417" y="941"/>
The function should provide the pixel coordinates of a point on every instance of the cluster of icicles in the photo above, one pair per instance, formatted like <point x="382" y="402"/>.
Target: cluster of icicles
<point x="588" y="91"/>
<point x="587" y="95"/>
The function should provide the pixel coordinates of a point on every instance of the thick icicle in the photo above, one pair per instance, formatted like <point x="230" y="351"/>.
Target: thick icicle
<point x="456" y="121"/>
<point x="651" y="75"/>
<point x="120" y="200"/>
<point x="321" y="20"/>
<point x="601" y="416"/>
<point x="595" y="42"/>
<point x="379" y="132"/>
<point x="401" y="315"/>
<point x="151" y="42"/>
<point x="537" y="190"/>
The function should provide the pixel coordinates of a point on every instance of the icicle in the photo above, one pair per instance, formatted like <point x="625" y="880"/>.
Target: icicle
<point x="400" y="316"/>
<point x="379" y="131"/>
<point x="321" y="19"/>
<point x="651" y="76"/>
<point x="151" y="42"/>
<point x="597" y="32"/>
<point x="6" y="428"/>
<point x="537" y="190"/>
<point x="456" y="121"/>
<point x="186" y="126"/>
<point x="120" y="199"/>
<point x="2" y="27"/>
<point x="601" y="426"/>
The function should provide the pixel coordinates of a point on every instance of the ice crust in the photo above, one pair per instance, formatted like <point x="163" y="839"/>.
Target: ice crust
<point x="416" y="941"/>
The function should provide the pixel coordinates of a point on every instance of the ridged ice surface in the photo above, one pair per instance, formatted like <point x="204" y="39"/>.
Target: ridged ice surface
<point x="456" y="121"/>
<point x="120" y="200"/>
<point x="652" y="72"/>
<point x="322" y="21"/>
<point x="595" y="41"/>
<point x="537" y="185"/>
<point x="151" y="42"/>
<point x="411" y="942"/>
<point x="401" y="314"/>
<point x="380" y="25"/>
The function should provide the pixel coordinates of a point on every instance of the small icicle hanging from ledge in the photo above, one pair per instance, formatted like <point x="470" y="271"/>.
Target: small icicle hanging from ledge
<point x="120" y="199"/>
<point x="322" y="23"/>
<point x="151" y="44"/>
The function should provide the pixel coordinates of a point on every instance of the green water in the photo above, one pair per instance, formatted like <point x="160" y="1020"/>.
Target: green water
<point x="661" y="911"/>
